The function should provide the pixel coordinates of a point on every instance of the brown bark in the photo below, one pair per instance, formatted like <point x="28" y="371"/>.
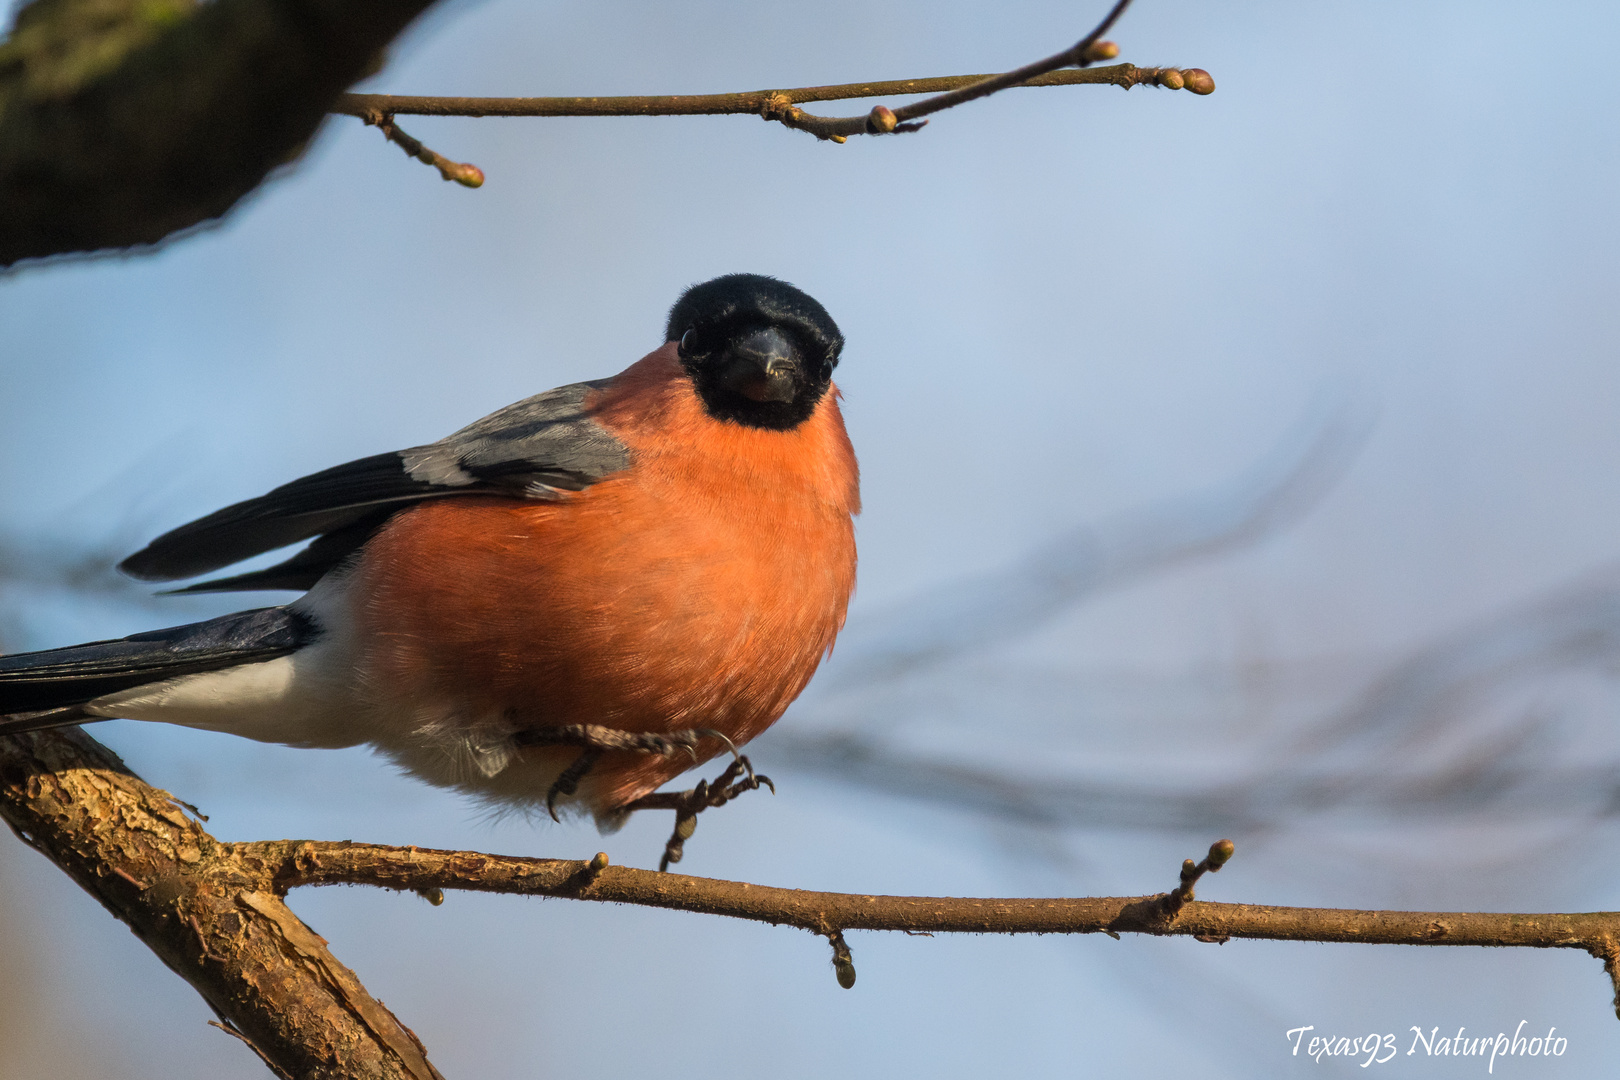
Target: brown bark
<point x="213" y="912"/>
<point x="203" y="910"/>
<point x="745" y="102"/>
<point x="782" y="106"/>
<point x="291" y="863"/>
<point x="125" y="121"/>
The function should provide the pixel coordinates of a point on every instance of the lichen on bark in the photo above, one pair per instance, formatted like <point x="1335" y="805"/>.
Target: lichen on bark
<point x="123" y="122"/>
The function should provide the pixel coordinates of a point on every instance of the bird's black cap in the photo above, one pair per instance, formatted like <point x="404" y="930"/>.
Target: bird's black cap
<point x="761" y="352"/>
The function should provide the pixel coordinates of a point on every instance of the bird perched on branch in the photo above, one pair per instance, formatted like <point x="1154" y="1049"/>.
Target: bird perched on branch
<point x="547" y="607"/>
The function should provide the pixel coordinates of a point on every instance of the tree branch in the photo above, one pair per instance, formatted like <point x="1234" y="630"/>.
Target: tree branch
<point x="1081" y="54"/>
<point x="294" y="863"/>
<point x="461" y="172"/>
<point x="125" y="121"/>
<point x="748" y="102"/>
<point x="202" y="910"/>
<point x="783" y="105"/>
<point x="214" y="914"/>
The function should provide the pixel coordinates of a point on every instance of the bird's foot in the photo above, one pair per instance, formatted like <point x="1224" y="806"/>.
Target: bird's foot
<point x="738" y="777"/>
<point x="594" y="740"/>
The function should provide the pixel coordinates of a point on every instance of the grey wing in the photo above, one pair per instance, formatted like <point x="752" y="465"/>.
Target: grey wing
<point x="536" y="449"/>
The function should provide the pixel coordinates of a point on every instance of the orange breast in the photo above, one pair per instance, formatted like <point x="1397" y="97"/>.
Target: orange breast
<point x="701" y="588"/>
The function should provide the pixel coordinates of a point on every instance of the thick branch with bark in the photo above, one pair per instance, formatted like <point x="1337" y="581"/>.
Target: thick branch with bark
<point x="124" y="121"/>
<point x="202" y="909"/>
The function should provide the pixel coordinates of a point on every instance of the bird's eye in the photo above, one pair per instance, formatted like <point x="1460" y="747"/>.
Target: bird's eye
<point x="826" y="370"/>
<point x="687" y="341"/>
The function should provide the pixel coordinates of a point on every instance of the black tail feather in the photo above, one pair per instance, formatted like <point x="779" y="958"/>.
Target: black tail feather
<point x="72" y="715"/>
<point x="35" y="685"/>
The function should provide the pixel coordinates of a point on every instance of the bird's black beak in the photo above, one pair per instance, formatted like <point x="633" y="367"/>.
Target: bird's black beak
<point x="762" y="365"/>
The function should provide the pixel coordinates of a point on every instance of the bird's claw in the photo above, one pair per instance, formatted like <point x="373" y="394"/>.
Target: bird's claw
<point x="567" y="781"/>
<point x="595" y="740"/>
<point x="739" y="776"/>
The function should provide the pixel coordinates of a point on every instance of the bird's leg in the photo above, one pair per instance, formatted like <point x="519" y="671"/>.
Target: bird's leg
<point x="738" y="777"/>
<point x="594" y="740"/>
<point x="597" y="737"/>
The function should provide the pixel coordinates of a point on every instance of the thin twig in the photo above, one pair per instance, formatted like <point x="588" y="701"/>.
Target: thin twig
<point x="1219" y="852"/>
<point x="748" y="102"/>
<point x="783" y="106"/>
<point x="462" y="173"/>
<point x="1609" y="953"/>
<point x="1077" y="55"/>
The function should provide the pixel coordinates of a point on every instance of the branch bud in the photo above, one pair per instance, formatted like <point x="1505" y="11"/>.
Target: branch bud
<point x="1198" y="81"/>
<point x="843" y="960"/>
<point x="880" y="121"/>
<point x="1171" y="79"/>
<point x="1219" y="852"/>
<point x="1100" y="50"/>
<point x="465" y="175"/>
<point x="593" y="868"/>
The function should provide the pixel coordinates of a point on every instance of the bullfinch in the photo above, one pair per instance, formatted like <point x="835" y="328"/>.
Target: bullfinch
<point x="542" y="609"/>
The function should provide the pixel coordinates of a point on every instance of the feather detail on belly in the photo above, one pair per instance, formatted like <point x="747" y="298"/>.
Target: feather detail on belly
<point x="699" y="589"/>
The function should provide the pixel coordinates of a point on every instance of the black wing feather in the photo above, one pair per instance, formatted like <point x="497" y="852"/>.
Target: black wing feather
<point x="534" y="449"/>
<point x="322" y="503"/>
<point x="327" y="552"/>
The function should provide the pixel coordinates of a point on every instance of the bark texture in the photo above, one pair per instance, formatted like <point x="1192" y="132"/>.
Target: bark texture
<point x="214" y="914"/>
<point x="123" y="122"/>
<point x="293" y="863"/>
<point x="214" y="918"/>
